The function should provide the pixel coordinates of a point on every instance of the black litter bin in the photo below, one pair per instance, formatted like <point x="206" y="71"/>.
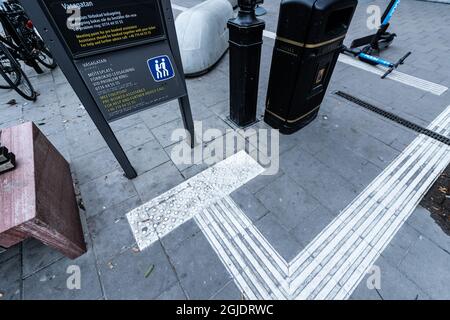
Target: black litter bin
<point x="309" y="39"/>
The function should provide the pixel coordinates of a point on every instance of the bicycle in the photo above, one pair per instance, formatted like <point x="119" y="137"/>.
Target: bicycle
<point x="14" y="76"/>
<point x="22" y="39"/>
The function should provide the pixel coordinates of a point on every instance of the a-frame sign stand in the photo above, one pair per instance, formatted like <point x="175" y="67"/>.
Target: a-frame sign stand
<point x="120" y="57"/>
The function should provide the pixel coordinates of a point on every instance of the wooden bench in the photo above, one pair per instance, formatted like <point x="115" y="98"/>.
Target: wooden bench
<point x="37" y="198"/>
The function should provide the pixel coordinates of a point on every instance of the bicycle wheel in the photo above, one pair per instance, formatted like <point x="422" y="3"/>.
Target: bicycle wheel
<point x="23" y="86"/>
<point x="9" y="72"/>
<point x="45" y="58"/>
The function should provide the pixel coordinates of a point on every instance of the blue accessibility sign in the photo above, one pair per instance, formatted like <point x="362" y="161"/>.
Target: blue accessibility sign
<point x="161" y="68"/>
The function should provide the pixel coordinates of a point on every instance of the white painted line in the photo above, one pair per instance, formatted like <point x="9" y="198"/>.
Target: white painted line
<point x="269" y="34"/>
<point x="336" y="261"/>
<point x="158" y="217"/>
<point x="398" y="76"/>
<point x="254" y="271"/>
<point x="404" y="78"/>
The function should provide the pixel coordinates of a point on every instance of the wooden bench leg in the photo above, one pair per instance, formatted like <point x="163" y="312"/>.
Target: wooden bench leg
<point x="11" y="237"/>
<point x="71" y="245"/>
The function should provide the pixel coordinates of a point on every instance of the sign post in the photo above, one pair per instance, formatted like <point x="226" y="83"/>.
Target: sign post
<point x="120" y="56"/>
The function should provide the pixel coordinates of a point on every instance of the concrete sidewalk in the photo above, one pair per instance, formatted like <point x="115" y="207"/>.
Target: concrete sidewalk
<point x="323" y="168"/>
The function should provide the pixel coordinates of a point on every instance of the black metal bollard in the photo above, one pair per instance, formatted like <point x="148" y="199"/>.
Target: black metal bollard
<point x="246" y="33"/>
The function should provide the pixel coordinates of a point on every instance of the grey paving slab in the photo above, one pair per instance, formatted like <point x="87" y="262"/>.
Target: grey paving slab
<point x="174" y="293"/>
<point x="51" y="283"/>
<point x="44" y="78"/>
<point x="135" y="136"/>
<point x="396" y="286"/>
<point x="199" y="269"/>
<point x="147" y="156"/>
<point x="126" y="122"/>
<point x="164" y="132"/>
<point x="42" y="114"/>
<point x="59" y="141"/>
<point x="320" y="181"/>
<point x="110" y="231"/>
<point x="9" y="113"/>
<point x="312" y="139"/>
<point x="421" y="221"/>
<point x="94" y="165"/>
<point x="188" y="3"/>
<point x="50" y="126"/>
<point x="172" y="137"/>
<point x="221" y="109"/>
<point x="426" y="265"/>
<point x="66" y="94"/>
<point x="36" y="256"/>
<point x="78" y="124"/>
<point x="11" y="123"/>
<point x="311" y="224"/>
<point x="6" y="254"/>
<point x="84" y="142"/>
<point x="249" y="204"/>
<point x="402" y="243"/>
<point x="160" y="115"/>
<point x="289" y="202"/>
<point x="229" y="292"/>
<point x="200" y="112"/>
<point x="205" y="126"/>
<point x="183" y="156"/>
<point x="58" y="76"/>
<point x="47" y="94"/>
<point x="352" y="167"/>
<point x="280" y="238"/>
<point x="155" y="182"/>
<point x="138" y="275"/>
<point x="10" y="284"/>
<point x="179" y="236"/>
<point x="375" y="151"/>
<point x="106" y="191"/>
<point x="71" y="112"/>
<point x="367" y="122"/>
<point x="362" y="292"/>
<point x="261" y="181"/>
<point x="210" y="89"/>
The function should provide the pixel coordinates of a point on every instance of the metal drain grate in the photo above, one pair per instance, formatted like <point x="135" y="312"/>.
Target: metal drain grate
<point x="395" y="118"/>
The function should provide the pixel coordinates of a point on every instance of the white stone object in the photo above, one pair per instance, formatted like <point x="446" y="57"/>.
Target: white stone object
<point x="203" y="35"/>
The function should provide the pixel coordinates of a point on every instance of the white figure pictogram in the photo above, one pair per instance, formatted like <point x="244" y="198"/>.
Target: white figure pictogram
<point x="159" y="74"/>
<point x="164" y="68"/>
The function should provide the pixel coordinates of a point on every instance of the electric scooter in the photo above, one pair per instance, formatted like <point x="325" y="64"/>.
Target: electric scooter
<point x="381" y="39"/>
<point x="373" y="60"/>
<point x="375" y="43"/>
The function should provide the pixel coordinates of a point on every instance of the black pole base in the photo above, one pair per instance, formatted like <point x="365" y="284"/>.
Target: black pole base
<point x="234" y="124"/>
